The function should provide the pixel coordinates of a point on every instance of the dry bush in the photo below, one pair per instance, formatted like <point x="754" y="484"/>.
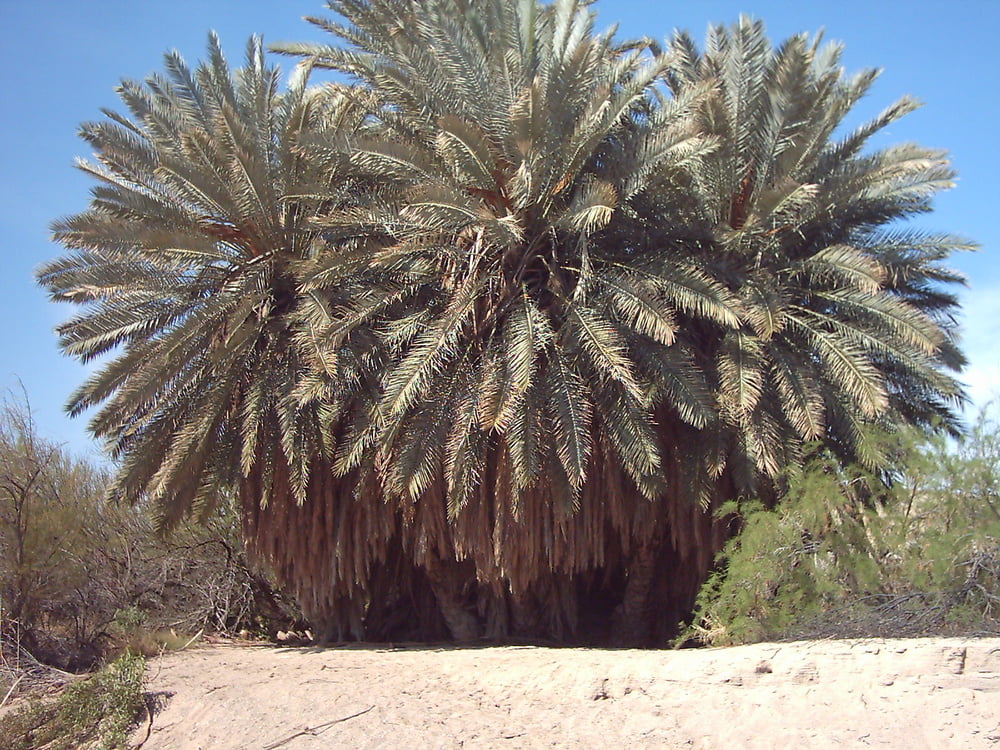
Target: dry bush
<point x="82" y="577"/>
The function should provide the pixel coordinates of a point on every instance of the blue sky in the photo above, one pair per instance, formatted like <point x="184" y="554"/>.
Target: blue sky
<point x="60" y="61"/>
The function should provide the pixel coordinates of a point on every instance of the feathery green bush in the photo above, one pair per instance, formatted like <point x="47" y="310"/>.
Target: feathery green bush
<point x="846" y="553"/>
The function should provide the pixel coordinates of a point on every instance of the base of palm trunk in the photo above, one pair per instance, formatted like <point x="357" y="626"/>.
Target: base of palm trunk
<point x="632" y="620"/>
<point x="450" y="582"/>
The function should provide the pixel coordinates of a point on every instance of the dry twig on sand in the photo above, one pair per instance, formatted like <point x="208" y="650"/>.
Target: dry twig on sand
<point x="313" y="731"/>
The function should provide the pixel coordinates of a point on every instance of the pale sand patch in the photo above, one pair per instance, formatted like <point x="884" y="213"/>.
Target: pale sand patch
<point x="922" y="693"/>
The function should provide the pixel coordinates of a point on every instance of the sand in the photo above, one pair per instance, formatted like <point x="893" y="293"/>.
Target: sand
<point x="922" y="693"/>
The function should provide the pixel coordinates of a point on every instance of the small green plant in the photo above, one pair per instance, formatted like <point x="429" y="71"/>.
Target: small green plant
<point x="97" y="712"/>
<point x="129" y="619"/>
<point x="791" y="563"/>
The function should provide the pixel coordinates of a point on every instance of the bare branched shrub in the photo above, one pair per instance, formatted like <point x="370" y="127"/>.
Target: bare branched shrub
<point x="82" y="576"/>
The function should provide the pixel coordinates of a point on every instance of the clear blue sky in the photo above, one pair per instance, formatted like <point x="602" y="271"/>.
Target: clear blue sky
<point x="60" y="60"/>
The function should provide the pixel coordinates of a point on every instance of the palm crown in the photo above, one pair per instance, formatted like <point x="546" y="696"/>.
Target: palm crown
<point x="184" y="266"/>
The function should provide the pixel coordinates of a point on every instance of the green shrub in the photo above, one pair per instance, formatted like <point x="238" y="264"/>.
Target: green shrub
<point x="96" y="712"/>
<point x="845" y="553"/>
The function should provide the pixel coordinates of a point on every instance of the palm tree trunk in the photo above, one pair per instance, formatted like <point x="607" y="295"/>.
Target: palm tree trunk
<point x="631" y="620"/>
<point x="448" y="579"/>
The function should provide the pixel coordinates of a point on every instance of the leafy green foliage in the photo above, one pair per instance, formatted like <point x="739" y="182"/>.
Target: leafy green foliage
<point x="97" y="712"/>
<point x="843" y="554"/>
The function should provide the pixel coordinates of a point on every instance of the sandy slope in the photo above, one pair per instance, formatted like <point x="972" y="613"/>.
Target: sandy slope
<point x="928" y="693"/>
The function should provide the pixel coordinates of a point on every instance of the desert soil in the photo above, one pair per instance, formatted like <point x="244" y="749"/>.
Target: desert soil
<point x="924" y="693"/>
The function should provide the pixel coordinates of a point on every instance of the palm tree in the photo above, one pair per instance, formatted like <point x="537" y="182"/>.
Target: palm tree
<point x="184" y="266"/>
<point x="484" y="340"/>
<point x="843" y="324"/>
<point x="507" y="317"/>
<point x="846" y="328"/>
<point x="608" y="304"/>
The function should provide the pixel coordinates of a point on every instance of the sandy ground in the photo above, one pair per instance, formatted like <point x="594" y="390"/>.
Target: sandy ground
<point x="927" y="693"/>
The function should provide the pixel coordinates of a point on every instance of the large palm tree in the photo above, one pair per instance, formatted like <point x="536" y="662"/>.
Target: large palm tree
<point x="484" y="339"/>
<point x="512" y="431"/>
<point x="613" y="309"/>
<point x="843" y="324"/>
<point x="184" y="266"/>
